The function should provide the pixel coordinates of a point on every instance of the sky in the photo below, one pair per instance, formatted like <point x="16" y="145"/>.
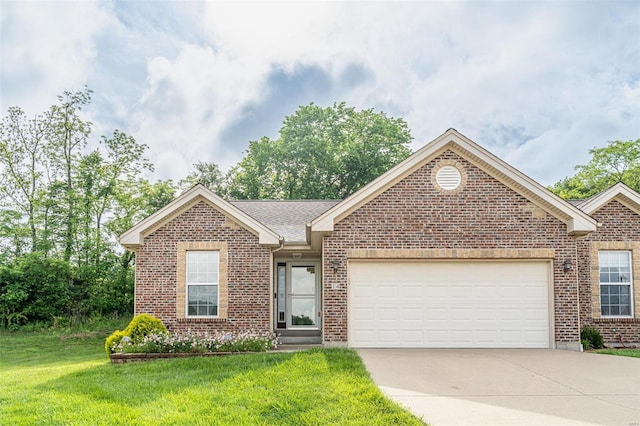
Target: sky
<point x="536" y="83"/>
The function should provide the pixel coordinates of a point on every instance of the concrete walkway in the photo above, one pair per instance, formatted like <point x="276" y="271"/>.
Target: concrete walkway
<point x="509" y="387"/>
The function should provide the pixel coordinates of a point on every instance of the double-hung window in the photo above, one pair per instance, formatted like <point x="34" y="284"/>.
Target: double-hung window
<point x="202" y="283"/>
<point x="615" y="283"/>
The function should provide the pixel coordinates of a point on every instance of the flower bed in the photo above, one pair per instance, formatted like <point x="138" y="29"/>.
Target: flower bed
<point x="165" y="345"/>
<point x="122" y="358"/>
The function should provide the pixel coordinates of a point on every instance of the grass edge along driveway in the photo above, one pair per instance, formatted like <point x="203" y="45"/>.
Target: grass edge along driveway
<point x="53" y="379"/>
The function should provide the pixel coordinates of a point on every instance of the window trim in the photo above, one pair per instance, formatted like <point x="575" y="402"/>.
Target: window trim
<point x="634" y="248"/>
<point x="181" y="279"/>
<point x="188" y="285"/>
<point x="629" y="256"/>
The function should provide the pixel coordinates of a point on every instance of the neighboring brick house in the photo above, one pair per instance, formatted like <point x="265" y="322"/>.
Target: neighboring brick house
<point x="451" y="248"/>
<point x="612" y="251"/>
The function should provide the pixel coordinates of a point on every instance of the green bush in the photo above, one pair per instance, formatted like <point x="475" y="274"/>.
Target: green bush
<point x="140" y="327"/>
<point x="592" y="336"/>
<point x="113" y="340"/>
<point x="143" y="325"/>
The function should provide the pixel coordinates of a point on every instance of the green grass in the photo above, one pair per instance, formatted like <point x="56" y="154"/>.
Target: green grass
<point x="51" y="379"/>
<point x="621" y="352"/>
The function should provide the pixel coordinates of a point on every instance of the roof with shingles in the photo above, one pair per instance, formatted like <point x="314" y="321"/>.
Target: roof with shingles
<point x="287" y="218"/>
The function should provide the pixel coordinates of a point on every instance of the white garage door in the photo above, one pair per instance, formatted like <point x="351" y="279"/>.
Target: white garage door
<point x="447" y="304"/>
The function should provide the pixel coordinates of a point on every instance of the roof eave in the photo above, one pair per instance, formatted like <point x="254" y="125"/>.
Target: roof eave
<point x="133" y="237"/>
<point x="619" y="192"/>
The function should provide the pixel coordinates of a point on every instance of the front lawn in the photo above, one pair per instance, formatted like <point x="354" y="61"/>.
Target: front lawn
<point x="635" y="352"/>
<point x="53" y="379"/>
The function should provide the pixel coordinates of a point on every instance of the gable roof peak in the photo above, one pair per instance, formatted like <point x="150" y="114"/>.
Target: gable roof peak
<point x="134" y="237"/>
<point x="619" y="192"/>
<point x="578" y="223"/>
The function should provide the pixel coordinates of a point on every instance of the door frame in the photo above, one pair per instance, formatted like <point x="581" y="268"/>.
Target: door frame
<point x="278" y="324"/>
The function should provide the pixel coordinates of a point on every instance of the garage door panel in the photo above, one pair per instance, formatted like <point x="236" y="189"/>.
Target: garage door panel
<point x="448" y="304"/>
<point x="412" y="314"/>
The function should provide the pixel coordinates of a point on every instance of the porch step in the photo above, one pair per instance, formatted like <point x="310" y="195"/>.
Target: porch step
<point x="300" y="337"/>
<point x="296" y="348"/>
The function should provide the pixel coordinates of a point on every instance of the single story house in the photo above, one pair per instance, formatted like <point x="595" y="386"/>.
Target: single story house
<point x="452" y="248"/>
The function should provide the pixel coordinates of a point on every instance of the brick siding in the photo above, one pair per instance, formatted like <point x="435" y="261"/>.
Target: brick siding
<point x="414" y="214"/>
<point x="248" y="272"/>
<point x="620" y="230"/>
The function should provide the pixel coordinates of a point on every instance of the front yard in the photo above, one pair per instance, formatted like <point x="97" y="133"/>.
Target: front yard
<point x="55" y="379"/>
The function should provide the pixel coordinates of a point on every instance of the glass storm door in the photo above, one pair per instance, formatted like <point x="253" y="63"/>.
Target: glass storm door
<point x="303" y="310"/>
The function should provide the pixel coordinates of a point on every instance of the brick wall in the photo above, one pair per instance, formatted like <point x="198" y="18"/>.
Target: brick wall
<point x="248" y="272"/>
<point x="620" y="230"/>
<point x="414" y="214"/>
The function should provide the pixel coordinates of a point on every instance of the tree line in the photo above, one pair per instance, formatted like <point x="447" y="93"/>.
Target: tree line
<point x="64" y="201"/>
<point x="63" y="204"/>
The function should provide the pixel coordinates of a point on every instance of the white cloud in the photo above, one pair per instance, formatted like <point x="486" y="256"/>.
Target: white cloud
<point x="536" y="83"/>
<point x="47" y="47"/>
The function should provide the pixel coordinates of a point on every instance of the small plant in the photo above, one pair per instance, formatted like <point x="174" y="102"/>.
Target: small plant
<point x="592" y="337"/>
<point x="247" y="341"/>
<point x="138" y="329"/>
<point x="113" y="341"/>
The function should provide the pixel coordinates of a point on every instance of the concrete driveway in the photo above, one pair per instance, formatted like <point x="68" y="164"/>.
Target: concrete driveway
<point x="507" y="387"/>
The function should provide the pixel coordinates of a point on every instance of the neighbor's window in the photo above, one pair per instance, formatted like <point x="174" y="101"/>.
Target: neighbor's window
<point x="202" y="283"/>
<point x="615" y="283"/>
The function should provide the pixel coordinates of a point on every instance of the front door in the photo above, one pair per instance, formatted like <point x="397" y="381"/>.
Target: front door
<point x="297" y="295"/>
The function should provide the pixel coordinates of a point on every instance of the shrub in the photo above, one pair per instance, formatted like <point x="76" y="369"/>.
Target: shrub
<point x="139" y="328"/>
<point x="592" y="336"/>
<point x="113" y="340"/>
<point x="143" y="325"/>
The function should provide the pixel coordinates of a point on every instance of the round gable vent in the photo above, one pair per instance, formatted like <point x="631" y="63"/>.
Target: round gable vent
<point x="448" y="178"/>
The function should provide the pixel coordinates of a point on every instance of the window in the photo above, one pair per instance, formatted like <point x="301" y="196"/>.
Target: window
<point x="615" y="283"/>
<point x="202" y="283"/>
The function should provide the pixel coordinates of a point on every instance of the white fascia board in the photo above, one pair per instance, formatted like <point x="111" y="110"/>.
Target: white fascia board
<point x="620" y="191"/>
<point x="133" y="237"/>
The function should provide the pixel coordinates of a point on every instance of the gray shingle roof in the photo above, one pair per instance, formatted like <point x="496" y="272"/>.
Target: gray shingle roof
<point x="286" y="218"/>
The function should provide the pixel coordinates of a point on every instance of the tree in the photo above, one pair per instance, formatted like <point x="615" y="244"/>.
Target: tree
<point x="321" y="153"/>
<point x="207" y="174"/>
<point x="21" y="157"/>
<point x="61" y="209"/>
<point x="67" y="138"/>
<point x="619" y="161"/>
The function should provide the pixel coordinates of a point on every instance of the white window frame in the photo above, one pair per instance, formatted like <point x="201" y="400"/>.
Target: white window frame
<point x="625" y="283"/>
<point x="189" y="284"/>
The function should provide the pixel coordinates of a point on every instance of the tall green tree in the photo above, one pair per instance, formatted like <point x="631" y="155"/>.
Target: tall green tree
<point x="207" y="174"/>
<point x="22" y="143"/>
<point x="322" y="153"/>
<point x="67" y="138"/>
<point x="619" y="161"/>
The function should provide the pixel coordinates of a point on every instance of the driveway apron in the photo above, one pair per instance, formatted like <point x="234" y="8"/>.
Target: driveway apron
<point x="509" y="387"/>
